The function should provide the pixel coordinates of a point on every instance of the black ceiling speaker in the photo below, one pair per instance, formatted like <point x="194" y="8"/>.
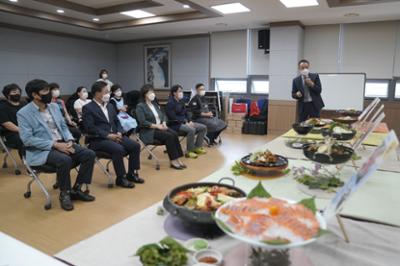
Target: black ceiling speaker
<point x="263" y="40"/>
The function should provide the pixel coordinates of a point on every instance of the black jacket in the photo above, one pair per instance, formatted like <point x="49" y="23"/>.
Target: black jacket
<point x="198" y="104"/>
<point x="95" y="122"/>
<point x="145" y="119"/>
<point x="177" y="113"/>
<point x="315" y="91"/>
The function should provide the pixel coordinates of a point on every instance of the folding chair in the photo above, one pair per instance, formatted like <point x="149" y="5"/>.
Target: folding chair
<point x="149" y="148"/>
<point x="34" y="172"/>
<point x="6" y="148"/>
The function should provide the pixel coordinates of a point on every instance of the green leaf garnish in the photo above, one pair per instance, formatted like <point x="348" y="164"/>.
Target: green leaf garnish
<point x="355" y="157"/>
<point x="286" y="171"/>
<point x="309" y="203"/>
<point x="238" y="169"/>
<point x="259" y="191"/>
<point x="277" y="241"/>
<point x="322" y="232"/>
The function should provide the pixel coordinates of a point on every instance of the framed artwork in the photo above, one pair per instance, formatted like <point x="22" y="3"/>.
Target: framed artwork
<point x="157" y="65"/>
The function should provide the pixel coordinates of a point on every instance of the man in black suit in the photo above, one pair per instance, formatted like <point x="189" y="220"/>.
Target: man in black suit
<point x="307" y="91"/>
<point x="105" y="134"/>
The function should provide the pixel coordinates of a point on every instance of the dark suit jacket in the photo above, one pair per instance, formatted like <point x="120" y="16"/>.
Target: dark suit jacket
<point x="177" y="113"/>
<point x="315" y="91"/>
<point x="145" y="118"/>
<point x="96" y="124"/>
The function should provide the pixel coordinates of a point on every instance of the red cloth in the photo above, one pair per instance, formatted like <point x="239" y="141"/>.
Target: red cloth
<point x="239" y="108"/>
<point x="254" y="110"/>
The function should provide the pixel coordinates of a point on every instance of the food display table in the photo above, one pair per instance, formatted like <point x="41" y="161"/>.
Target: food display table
<point x="370" y="243"/>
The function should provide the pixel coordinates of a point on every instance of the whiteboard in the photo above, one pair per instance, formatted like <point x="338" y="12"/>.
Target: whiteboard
<point x="342" y="91"/>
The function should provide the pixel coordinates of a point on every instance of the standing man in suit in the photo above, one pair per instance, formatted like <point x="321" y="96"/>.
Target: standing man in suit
<point x="105" y="134"/>
<point x="307" y="91"/>
<point x="45" y="134"/>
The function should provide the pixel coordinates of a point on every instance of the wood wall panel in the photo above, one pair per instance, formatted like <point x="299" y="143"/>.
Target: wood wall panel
<point x="281" y="116"/>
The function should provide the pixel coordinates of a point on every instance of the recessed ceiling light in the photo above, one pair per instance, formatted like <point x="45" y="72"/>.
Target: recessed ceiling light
<point x="186" y="6"/>
<point x="231" y="8"/>
<point x="96" y="19"/>
<point x="14" y="1"/>
<point x="299" y="3"/>
<point x="60" y="11"/>
<point x="138" y="14"/>
<point x="351" y="15"/>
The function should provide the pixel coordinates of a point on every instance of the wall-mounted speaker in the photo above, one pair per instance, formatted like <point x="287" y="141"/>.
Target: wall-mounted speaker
<point x="263" y="40"/>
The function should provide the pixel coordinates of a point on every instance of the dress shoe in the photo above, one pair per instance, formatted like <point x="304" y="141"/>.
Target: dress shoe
<point x="123" y="182"/>
<point x="134" y="178"/>
<point x="177" y="167"/>
<point x="65" y="201"/>
<point x="77" y="194"/>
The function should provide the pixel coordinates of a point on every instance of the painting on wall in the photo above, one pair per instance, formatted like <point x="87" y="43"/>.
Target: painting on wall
<point x="157" y="65"/>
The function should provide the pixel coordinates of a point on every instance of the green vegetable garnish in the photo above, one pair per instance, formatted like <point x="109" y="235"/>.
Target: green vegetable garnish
<point x="168" y="252"/>
<point x="238" y="169"/>
<point x="259" y="191"/>
<point x="199" y="244"/>
<point x="277" y="241"/>
<point x="309" y="203"/>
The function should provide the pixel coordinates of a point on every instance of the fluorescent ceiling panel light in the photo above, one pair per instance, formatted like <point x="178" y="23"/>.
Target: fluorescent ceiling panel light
<point x="96" y="19"/>
<point x="186" y="6"/>
<point x="138" y="14"/>
<point x="299" y="3"/>
<point x="60" y="11"/>
<point x="231" y="8"/>
<point x="14" y="1"/>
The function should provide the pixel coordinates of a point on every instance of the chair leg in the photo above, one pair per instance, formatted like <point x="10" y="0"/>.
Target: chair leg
<point x="153" y="156"/>
<point x="13" y="160"/>
<point x="35" y="177"/>
<point x="108" y="166"/>
<point x="106" y="172"/>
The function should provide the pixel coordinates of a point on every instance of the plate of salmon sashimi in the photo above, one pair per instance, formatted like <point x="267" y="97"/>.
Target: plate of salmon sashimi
<point x="270" y="222"/>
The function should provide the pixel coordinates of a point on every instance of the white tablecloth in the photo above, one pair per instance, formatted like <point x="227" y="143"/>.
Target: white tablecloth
<point x="371" y="244"/>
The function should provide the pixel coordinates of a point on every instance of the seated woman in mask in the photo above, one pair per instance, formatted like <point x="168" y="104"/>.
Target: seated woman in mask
<point x="128" y="123"/>
<point x="203" y="115"/>
<point x="82" y="100"/>
<point x="72" y="126"/>
<point x="153" y="127"/>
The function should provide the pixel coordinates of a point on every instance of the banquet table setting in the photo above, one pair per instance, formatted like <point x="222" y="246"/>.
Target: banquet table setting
<point x="365" y="231"/>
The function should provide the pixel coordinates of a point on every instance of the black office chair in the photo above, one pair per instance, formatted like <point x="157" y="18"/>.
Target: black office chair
<point x="6" y="148"/>
<point x="34" y="172"/>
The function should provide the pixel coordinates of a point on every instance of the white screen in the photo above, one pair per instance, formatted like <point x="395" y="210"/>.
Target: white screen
<point x="342" y="91"/>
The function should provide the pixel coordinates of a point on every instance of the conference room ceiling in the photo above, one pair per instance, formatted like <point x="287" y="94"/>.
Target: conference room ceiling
<point x="172" y="19"/>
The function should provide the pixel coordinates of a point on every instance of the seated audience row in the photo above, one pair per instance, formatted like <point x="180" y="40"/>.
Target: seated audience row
<point x="44" y="130"/>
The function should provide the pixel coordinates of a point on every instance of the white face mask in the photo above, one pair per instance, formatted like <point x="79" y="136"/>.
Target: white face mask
<point x="85" y="95"/>
<point x="104" y="76"/>
<point x="118" y="93"/>
<point x="305" y="72"/>
<point x="55" y="93"/>
<point x="151" y="96"/>
<point x="180" y="95"/>
<point x="106" y="98"/>
<point x="202" y="93"/>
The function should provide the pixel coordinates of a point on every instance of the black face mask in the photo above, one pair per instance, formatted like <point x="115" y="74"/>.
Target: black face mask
<point x="15" y="98"/>
<point x="46" y="98"/>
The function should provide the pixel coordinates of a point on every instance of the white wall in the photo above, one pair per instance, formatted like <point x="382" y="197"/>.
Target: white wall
<point x="68" y="61"/>
<point x="286" y="49"/>
<point x="321" y="44"/>
<point x="229" y="54"/>
<point x="189" y="62"/>
<point x="373" y="48"/>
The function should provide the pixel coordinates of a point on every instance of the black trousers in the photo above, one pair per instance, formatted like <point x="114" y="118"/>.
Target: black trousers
<point x="171" y="141"/>
<point x="13" y="141"/>
<point x="308" y="111"/>
<point x="118" y="151"/>
<point x="64" y="162"/>
<point x="214" y="135"/>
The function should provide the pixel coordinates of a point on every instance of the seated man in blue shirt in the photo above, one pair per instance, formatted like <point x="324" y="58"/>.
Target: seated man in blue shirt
<point x="48" y="141"/>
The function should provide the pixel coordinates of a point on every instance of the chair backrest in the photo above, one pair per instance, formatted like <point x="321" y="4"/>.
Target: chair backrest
<point x="132" y="99"/>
